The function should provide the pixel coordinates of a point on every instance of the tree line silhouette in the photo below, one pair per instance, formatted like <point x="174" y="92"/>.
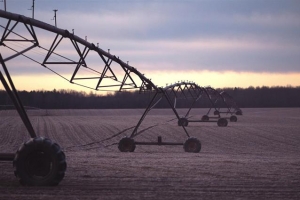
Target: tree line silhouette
<point x="251" y="97"/>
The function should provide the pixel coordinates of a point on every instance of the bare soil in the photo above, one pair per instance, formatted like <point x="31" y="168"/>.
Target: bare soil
<point x="257" y="157"/>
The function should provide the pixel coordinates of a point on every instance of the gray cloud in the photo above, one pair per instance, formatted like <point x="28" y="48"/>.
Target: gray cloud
<point x="215" y="35"/>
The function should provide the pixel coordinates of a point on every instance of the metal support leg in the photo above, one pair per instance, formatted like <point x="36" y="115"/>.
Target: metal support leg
<point x="188" y="112"/>
<point x="12" y="92"/>
<point x="213" y="104"/>
<point x="175" y="112"/>
<point x="7" y="156"/>
<point x="143" y="116"/>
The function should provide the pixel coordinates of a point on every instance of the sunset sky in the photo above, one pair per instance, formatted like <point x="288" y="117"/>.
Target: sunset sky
<point x="233" y="43"/>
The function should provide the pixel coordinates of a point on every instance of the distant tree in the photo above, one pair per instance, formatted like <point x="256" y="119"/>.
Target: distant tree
<point x="68" y="99"/>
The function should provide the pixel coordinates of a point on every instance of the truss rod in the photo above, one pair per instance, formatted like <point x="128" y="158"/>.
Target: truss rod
<point x="67" y="34"/>
<point x="19" y="53"/>
<point x="149" y="107"/>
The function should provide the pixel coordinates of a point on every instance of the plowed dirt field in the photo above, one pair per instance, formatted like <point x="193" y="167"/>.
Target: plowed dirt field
<point x="257" y="157"/>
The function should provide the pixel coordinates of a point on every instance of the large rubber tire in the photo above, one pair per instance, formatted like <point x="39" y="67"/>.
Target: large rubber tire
<point x="183" y="122"/>
<point x="40" y="162"/>
<point x="205" y="118"/>
<point x="216" y="112"/>
<point x="180" y="122"/>
<point x="239" y="112"/>
<point x="222" y="122"/>
<point x="233" y="118"/>
<point x="192" y="145"/>
<point x="126" y="144"/>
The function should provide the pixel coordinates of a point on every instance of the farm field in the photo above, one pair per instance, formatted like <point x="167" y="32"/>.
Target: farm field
<point x="257" y="157"/>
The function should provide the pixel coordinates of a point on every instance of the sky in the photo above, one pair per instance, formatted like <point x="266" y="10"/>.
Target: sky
<point x="232" y="43"/>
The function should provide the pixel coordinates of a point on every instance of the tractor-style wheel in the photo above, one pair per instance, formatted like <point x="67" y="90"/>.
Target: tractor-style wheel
<point x="192" y="145"/>
<point x="205" y="118"/>
<point x="126" y="144"/>
<point x="239" y="112"/>
<point x="40" y="162"/>
<point x="180" y="122"/>
<point x="233" y="118"/>
<point x="216" y="112"/>
<point x="222" y="122"/>
<point x="183" y="122"/>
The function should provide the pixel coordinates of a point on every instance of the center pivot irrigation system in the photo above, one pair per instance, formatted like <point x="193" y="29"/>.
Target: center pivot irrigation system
<point x="221" y="100"/>
<point x="173" y="92"/>
<point x="40" y="161"/>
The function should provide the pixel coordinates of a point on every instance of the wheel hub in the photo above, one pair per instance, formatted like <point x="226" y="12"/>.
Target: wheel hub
<point x="38" y="164"/>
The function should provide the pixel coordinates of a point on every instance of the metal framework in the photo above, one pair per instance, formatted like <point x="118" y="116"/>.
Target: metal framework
<point x="233" y="108"/>
<point x="13" y="94"/>
<point x="205" y="94"/>
<point x="187" y="90"/>
<point x="81" y="47"/>
<point x="103" y="76"/>
<point x="53" y="59"/>
<point x="181" y="90"/>
<point x="222" y="100"/>
<point x="220" y="106"/>
<point x="194" y="93"/>
<point x="109" y="73"/>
